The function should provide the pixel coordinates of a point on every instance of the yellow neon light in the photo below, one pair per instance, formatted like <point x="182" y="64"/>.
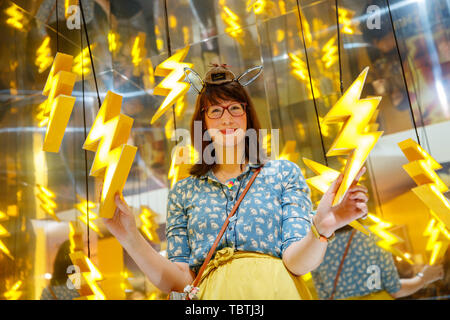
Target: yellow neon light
<point x="44" y="57"/>
<point x="113" y="158"/>
<point x="171" y="86"/>
<point x="388" y="239"/>
<point x="322" y="181"/>
<point x="16" y="18"/>
<point x="90" y="275"/>
<point x="421" y="168"/>
<point x="47" y="204"/>
<point x="83" y="206"/>
<point x="149" y="224"/>
<point x="13" y="292"/>
<point x="439" y="239"/>
<point x="82" y="62"/>
<point x="4" y="234"/>
<point x="353" y="139"/>
<point x="60" y="103"/>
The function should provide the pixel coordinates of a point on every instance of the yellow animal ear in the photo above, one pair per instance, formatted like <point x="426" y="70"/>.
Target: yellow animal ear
<point x="194" y="79"/>
<point x="246" y="77"/>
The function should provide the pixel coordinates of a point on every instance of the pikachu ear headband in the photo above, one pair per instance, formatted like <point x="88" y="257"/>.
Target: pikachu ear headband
<point x="218" y="75"/>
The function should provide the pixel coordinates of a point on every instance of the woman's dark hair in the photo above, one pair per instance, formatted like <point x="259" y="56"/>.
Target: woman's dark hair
<point x="60" y="265"/>
<point x="210" y="95"/>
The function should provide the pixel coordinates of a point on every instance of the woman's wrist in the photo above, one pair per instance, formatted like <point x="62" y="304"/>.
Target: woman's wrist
<point x="321" y="227"/>
<point x="131" y="240"/>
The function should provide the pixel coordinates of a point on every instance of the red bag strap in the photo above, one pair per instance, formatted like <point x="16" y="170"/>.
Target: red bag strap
<point x="222" y="231"/>
<point x="341" y="264"/>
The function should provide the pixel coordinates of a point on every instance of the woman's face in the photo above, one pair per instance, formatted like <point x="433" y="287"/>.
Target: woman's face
<point x="228" y="130"/>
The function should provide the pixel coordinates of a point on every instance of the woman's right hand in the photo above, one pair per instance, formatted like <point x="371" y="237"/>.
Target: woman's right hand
<point x="123" y="224"/>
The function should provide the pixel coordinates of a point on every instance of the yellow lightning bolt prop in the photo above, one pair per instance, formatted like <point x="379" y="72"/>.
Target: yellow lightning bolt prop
<point x="322" y="182"/>
<point x="4" y="234"/>
<point x="82" y="62"/>
<point x="43" y="55"/>
<point x="149" y="225"/>
<point x="439" y="239"/>
<point x="90" y="275"/>
<point x="113" y="158"/>
<point x="171" y="86"/>
<point x="13" y="292"/>
<point x="421" y="168"/>
<point x="83" y="206"/>
<point x="16" y="18"/>
<point x="183" y="159"/>
<point x="380" y="228"/>
<point x="353" y="139"/>
<point x="288" y="152"/>
<point x="59" y="104"/>
<point x="47" y="204"/>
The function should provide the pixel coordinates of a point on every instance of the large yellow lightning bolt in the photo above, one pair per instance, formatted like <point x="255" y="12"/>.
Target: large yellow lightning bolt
<point x="43" y="55"/>
<point x="113" y="158"/>
<point x="388" y="239"/>
<point x="4" y="234"/>
<point x="149" y="225"/>
<point x="12" y="292"/>
<point x="59" y="104"/>
<point x="430" y="189"/>
<point x="90" y="275"/>
<point x="171" y="86"/>
<point x="47" y="204"/>
<point x="439" y="239"/>
<point x="83" y="207"/>
<point x="322" y="182"/>
<point x="353" y="139"/>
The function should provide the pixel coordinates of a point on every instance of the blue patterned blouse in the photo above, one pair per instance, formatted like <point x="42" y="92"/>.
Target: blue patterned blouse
<point x="274" y="213"/>
<point x="367" y="268"/>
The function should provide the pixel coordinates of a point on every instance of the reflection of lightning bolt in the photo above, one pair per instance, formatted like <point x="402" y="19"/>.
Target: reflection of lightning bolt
<point x="16" y="18"/>
<point x="149" y="225"/>
<point x="138" y="53"/>
<point x="43" y="55"/>
<point x="329" y="53"/>
<point x="171" y="86"/>
<point x="82" y="61"/>
<point x="388" y="239"/>
<point x="13" y="293"/>
<point x="113" y="158"/>
<point x="83" y="206"/>
<point x="300" y="71"/>
<point x="233" y="28"/>
<point x="4" y="234"/>
<point x="323" y="180"/>
<point x="47" y="204"/>
<point x="421" y="169"/>
<point x="353" y="139"/>
<point x="89" y="289"/>
<point x="439" y="239"/>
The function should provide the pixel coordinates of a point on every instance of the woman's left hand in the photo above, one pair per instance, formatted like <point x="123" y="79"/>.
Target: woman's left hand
<point x="353" y="206"/>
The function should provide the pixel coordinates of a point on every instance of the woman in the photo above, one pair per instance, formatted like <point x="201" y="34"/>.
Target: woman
<point x="268" y="242"/>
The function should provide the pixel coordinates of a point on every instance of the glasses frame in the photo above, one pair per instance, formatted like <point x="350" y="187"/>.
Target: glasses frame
<point x="244" y="104"/>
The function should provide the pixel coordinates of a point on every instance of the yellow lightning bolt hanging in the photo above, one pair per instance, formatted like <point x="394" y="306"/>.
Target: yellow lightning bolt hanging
<point x="47" y="204"/>
<point x="439" y="239"/>
<point x="59" y="104"/>
<point x="380" y="228"/>
<point x="171" y="86"/>
<point x="149" y="225"/>
<point x="421" y="168"/>
<point x="353" y="139"/>
<point x="43" y="55"/>
<point x="113" y="158"/>
<point x="88" y="277"/>
<point x="323" y="180"/>
<point x="12" y="292"/>
<point x="4" y="234"/>
<point x="83" y="207"/>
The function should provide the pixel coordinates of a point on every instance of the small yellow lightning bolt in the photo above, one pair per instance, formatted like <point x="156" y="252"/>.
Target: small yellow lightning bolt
<point x="380" y="228"/>
<point x="4" y="234"/>
<point x="171" y="86"/>
<point x="43" y="120"/>
<point x="83" y="206"/>
<point x="60" y="103"/>
<point x="12" y="292"/>
<point x="82" y="62"/>
<point x="47" y="204"/>
<point x="300" y="71"/>
<point x="261" y="6"/>
<point x="439" y="239"/>
<point x="353" y="139"/>
<point x="138" y="53"/>
<point x="149" y="225"/>
<point x="329" y="51"/>
<point x="232" y="21"/>
<point x="345" y="18"/>
<point x="114" y="43"/>
<point x="90" y="275"/>
<point x="16" y="18"/>
<point x="421" y="168"/>
<point x="43" y="55"/>
<point x="113" y="158"/>
<point x="183" y="159"/>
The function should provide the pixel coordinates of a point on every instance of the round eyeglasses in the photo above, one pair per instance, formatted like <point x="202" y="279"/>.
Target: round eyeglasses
<point x="236" y="109"/>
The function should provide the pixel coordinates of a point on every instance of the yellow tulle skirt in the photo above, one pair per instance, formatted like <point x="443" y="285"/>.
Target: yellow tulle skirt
<point x="242" y="275"/>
